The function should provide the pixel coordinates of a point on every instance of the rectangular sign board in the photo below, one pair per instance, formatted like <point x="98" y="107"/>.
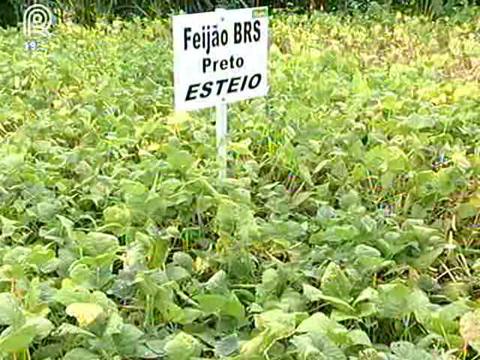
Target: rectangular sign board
<point x="220" y="57"/>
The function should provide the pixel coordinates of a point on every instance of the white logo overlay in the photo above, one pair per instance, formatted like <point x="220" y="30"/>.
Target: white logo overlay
<point x="37" y="20"/>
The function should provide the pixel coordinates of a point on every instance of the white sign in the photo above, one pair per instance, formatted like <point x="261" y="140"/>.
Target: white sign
<point x="220" y="57"/>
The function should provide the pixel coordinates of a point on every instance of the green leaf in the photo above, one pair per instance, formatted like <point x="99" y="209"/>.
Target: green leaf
<point x="8" y="227"/>
<point x="397" y="300"/>
<point x="80" y="354"/>
<point x="177" y="273"/>
<point x="233" y="307"/>
<point x="227" y="345"/>
<point x="359" y="337"/>
<point x="255" y="347"/>
<point x="10" y="311"/>
<point x="274" y="325"/>
<point x="222" y="305"/>
<point x="291" y="301"/>
<point x="69" y="329"/>
<point x="217" y="282"/>
<point x="180" y="159"/>
<point x="443" y="319"/>
<point x="360" y="86"/>
<point x="43" y="327"/>
<point x="114" y="324"/>
<point x="43" y="259"/>
<point x="270" y="280"/>
<point x="14" y="340"/>
<point x="466" y="210"/>
<point x="314" y="294"/>
<point x="128" y="340"/>
<point x="69" y="293"/>
<point x="226" y="217"/>
<point x="117" y="217"/>
<point x="211" y="303"/>
<point x="329" y="349"/>
<point x="96" y="243"/>
<point x="17" y="339"/>
<point x="277" y="322"/>
<point x="307" y="349"/>
<point x="184" y="260"/>
<point x="134" y="193"/>
<point x="182" y="347"/>
<point x="335" y="283"/>
<point x="349" y="199"/>
<point x="408" y="351"/>
<point x="189" y="315"/>
<point x="318" y="346"/>
<point x="318" y="322"/>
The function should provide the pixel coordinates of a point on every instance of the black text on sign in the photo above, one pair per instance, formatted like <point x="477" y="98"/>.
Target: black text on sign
<point x="219" y="57"/>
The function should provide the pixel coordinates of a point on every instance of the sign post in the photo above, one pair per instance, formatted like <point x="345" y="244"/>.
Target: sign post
<point x="220" y="57"/>
<point x="221" y="125"/>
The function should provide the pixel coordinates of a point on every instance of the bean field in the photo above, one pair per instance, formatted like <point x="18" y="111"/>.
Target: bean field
<point x="348" y="227"/>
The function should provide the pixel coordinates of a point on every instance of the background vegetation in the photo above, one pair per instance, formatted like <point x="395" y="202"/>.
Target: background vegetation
<point x="86" y="11"/>
<point x="349" y="227"/>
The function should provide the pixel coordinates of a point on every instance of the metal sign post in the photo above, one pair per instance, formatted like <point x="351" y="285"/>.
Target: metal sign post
<point x="221" y="126"/>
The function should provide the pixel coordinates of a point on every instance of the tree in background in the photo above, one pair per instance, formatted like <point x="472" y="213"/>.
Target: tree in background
<point x="9" y="13"/>
<point x="87" y="11"/>
<point x="318" y="5"/>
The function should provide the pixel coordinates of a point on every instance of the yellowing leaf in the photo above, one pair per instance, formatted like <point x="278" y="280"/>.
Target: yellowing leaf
<point x="153" y="147"/>
<point x="85" y="313"/>
<point x="475" y="199"/>
<point x="256" y="345"/>
<point x="178" y="117"/>
<point x="465" y="91"/>
<point x="461" y="160"/>
<point x="470" y="328"/>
